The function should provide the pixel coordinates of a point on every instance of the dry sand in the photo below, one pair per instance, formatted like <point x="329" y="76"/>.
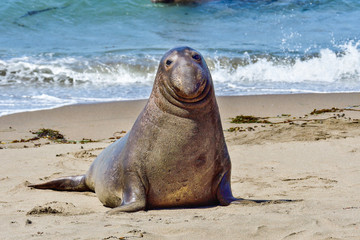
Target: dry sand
<point x="315" y="158"/>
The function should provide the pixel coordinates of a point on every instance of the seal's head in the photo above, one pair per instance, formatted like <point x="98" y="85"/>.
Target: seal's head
<point x="184" y="76"/>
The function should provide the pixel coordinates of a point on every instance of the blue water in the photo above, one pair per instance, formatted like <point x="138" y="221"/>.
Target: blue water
<point x="54" y="52"/>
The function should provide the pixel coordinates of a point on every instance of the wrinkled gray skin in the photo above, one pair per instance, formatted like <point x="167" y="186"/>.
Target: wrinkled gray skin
<point x="175" y="154"/>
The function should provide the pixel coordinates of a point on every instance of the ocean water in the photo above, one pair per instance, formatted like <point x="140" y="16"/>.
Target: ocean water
<point x="59" y="52"/>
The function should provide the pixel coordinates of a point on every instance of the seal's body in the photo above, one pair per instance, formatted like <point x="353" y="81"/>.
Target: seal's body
<point x="174" y="155"/>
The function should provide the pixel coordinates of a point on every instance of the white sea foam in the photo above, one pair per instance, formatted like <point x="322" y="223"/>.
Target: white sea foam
<point x="71" y="71"/>
<point x="45" y="97"/>
<point x="329" y="67"/>
<point x="30" y="84"/>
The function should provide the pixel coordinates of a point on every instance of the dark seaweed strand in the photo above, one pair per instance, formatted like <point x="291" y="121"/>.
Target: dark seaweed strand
<point x="34" y="12"/>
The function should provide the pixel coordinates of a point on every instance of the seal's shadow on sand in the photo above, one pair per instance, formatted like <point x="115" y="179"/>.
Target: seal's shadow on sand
<point x="243" y="202"/>
<point x="250" y="202"/>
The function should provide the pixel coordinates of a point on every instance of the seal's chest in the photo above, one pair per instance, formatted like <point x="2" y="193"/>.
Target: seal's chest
<point x="181" y="181"/>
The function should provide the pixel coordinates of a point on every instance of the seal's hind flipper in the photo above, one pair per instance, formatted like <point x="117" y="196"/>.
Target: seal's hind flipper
<point x="73" y="183"/>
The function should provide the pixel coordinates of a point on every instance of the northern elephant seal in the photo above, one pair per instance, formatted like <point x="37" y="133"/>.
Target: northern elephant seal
<point x="175" y="155"/>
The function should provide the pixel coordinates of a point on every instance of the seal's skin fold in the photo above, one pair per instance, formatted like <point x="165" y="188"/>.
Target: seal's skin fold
<point x="175" y="155"/>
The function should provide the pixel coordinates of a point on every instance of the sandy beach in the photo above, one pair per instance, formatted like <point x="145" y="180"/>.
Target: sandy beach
<point x="289" y="152"/>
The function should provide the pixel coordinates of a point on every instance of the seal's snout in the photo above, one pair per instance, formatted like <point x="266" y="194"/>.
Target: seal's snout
<point x="188" y="72"/>
<point x="189" y="81"/>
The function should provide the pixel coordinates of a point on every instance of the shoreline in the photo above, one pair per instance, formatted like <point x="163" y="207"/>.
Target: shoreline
<point x="296" y="155"/>
<point x="145" y="99"/>
<point x="122" y="114"/>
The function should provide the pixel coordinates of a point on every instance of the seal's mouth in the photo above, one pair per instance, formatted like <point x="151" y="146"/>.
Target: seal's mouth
<point x="187" y="82"/>
<point x="188" y="94"/>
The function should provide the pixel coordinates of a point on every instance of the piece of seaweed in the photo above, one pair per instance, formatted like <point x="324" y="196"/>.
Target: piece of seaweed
<point x="248" y="119"/>
<point x="34" y="12"/>
<point x="49" y="134"/>
<point x="325" y="110"/>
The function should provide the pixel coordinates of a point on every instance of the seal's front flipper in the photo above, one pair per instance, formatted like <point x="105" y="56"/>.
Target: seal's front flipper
<point x="224" y="194"/>
<point x="134" y="196"/>
<point x="73" y="183"/>
<point x="130" y="207"/>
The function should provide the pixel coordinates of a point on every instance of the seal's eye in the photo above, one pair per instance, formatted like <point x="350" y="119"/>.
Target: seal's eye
<point x="168" y="62"/>
<point x="196" y="57"/>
